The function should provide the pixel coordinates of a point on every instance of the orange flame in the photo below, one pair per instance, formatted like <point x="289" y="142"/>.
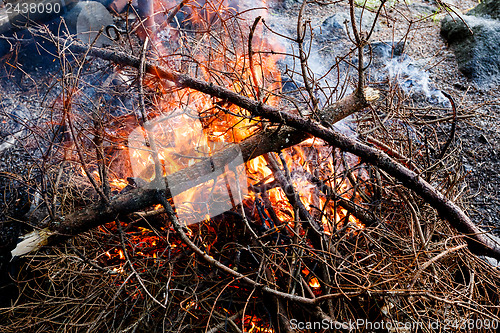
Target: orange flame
<point x="314" y="283"/>
<point x="223" y="122"/>
<point x="256" y="325"/>
<point x="118" y="184"/>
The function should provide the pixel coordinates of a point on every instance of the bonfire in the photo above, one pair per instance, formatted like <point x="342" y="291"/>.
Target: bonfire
<point x="192" y="171"/>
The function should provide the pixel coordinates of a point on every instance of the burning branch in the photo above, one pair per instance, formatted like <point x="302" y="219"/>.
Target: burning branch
<point x="270" y="140"/>
<point x="294" y="130"/>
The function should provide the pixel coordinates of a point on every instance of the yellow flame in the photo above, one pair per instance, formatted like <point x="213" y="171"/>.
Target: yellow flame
<point x="314" y="283"/>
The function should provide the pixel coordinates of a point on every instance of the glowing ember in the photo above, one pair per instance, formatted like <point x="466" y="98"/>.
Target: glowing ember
<point x="314" y="283"/>
<point x="256" y="325"/>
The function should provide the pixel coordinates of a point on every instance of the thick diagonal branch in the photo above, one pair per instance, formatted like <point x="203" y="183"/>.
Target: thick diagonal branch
<point x="297" y="129"/>
<point x="270" y="140"/>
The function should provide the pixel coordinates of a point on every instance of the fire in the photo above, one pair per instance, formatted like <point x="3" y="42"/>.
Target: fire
<point x="313" y="280"/>
<point x="256" y="325"/>
<point x="189" y="126"/>
<point x="118" y="184"/>
<point x="119" y="270"/>
<point x="314" y="283"/>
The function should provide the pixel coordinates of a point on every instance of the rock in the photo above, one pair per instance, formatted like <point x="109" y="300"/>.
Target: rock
<point x="13" y="114"/>
<point x="381" y="54"/>
<point x="387" y="50"/>
<point x="15" y="18"/>
<point x="335" y="27"/>
<point x="423" y="9"/>
<point x="118" y="6"/>
<point x="477" y="53"/>
<point x="488" y="9"/>
<point x="86" y="19"/>
<point x="287" y="4"/>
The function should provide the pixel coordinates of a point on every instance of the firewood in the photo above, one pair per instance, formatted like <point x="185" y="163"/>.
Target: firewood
<point x="294" y="130"/>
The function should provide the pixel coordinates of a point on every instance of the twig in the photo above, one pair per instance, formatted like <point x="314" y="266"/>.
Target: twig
<point x="360" y="43"/>
<point x="433" y="260"/>
<point x="291" y="194"/>
<point x="229" y="320"/>
<point x="131" y="265"/>
<point x="101" y="159"/>
<point x="255" y="85"/>
<point x="176" y="9"/>
<point x="170" y="212"/>
<point x="151" y="142"/>
<point x="479" y="241"/>
<point x="362" y="214"/>
<point x="301" y="33"/>
<point x="453" y="126"/>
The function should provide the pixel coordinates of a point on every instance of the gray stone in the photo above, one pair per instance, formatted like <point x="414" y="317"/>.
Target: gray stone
<point x="476" y="46"/>
<point x="387" y="50"/>
<point x="423" y="9"/>
<point x="287" y="4"/>
<point x="86" y="19"/>
<point x="488" y="9"/>
<point x="118" y="6"/>
<point x="13" y="114"/>
<point x="333" y="28"/>
<point x="336" y="26"/>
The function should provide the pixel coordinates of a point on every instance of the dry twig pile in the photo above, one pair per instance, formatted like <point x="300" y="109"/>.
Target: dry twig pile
<point x="332" y="230"/>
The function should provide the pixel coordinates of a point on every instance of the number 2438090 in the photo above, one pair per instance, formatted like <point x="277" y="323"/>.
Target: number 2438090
<point x="33" y="8"/>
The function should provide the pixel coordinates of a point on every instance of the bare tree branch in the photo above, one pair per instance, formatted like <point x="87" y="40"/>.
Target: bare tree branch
<point x="297" y="129"/>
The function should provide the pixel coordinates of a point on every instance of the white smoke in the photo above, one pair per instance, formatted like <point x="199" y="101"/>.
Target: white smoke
<point x="413" y="79"/>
